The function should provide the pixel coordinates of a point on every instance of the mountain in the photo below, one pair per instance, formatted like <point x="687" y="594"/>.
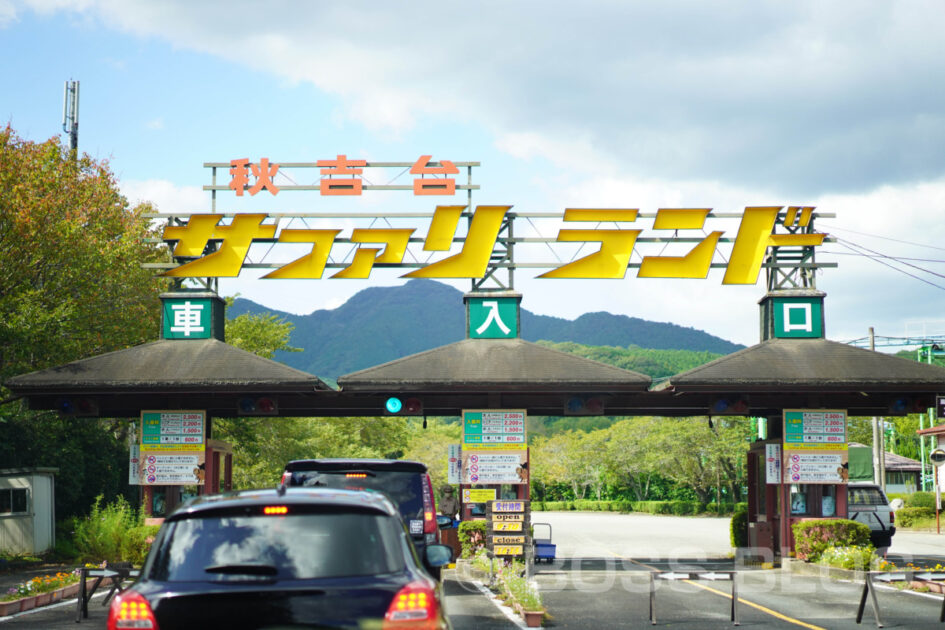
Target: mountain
<point x="380" y="324"/>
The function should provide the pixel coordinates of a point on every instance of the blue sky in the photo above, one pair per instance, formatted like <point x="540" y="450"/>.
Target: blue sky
<point x="609" y="104"/>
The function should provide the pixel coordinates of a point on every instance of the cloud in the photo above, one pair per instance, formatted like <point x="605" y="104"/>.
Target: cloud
<point x="155" y="124"/>
<point x="803" y="97"/>
<point x="166" y="196"/>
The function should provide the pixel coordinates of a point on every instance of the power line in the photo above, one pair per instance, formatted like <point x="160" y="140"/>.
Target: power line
<point x="885" y="238"/>
<point x="882" y="262"/>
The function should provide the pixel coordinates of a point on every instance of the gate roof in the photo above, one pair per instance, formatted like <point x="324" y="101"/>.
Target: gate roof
<point x="168" y="367"/>
<point x="494" y="364"/>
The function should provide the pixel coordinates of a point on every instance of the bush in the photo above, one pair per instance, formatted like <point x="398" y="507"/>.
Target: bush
<point x="811" y="538"/>
<point x="623" y="507"/>
<point x="115" y="532"/>
<point x="920" y="500"/>
<point x="679" y="508"/>
<point x="738" y="529"/>
<point x="909" y="516"/>
<point x="472" y="537"/>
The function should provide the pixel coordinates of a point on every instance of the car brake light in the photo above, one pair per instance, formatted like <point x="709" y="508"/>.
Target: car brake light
<point x="356" y="475"/>
<point x="892" y="517"/>
<point x="275" y="510"/>
<point x="429" y="507"/>
<point x="415" y="606"/>
<point x="130" y="610"/>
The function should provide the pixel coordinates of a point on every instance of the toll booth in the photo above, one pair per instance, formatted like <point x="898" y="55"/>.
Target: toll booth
<point x="217" y="475"/>
<point x="771" y="490"/>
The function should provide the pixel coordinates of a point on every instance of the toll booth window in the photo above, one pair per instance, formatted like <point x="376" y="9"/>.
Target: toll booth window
<point x="799" y="499"/>
<point x="828" y="501"/>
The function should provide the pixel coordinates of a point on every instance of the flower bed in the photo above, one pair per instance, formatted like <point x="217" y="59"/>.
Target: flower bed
<point x="39" y="591"/>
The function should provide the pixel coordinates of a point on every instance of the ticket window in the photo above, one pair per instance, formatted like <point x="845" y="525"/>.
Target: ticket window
<point x="800" y="503"/>
<point x="814" y="500"/>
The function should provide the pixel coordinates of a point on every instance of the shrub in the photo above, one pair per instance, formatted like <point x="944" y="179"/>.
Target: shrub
<point x="472" y="537"/>
<point x="811" y="538"/>
<point x="621" y="506"/>
<point x="920" y="500"/>
<point x="99" y="536"/>
<point x="909" y="516"/>
<point x="738" y="529"/>
<point x="137" y="543"/>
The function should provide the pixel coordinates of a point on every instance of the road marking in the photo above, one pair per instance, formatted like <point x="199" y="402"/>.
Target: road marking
<point x="763" y="609"/>
<point x="741" y="600"/>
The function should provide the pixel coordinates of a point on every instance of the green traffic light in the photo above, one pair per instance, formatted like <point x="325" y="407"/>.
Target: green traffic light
<point x="393" y="405"/>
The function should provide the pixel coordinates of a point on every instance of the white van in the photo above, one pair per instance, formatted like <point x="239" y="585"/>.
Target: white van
<point x="867" y="504"/>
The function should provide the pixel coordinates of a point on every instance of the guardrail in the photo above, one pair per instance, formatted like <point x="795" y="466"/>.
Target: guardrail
<point x="893" y="576"/>
<point x="713" y="576"/>
<point x="113" y="576"/>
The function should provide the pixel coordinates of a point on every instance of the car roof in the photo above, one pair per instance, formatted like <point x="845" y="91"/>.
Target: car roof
<point x="330" y="464"/>
<point x="323" y="497"/>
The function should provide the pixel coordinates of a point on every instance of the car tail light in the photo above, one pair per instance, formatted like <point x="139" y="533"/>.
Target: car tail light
<point x="130" y="610"/>
<point x="429" y="507"/>
<point x="415" y="606"/>
<point x="892" y="518"/>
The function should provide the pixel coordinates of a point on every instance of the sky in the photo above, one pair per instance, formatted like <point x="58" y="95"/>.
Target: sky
<point x="610" y="104"/>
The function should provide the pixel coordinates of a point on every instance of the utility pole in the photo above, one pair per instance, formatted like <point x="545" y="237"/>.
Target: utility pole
<point x="70" y="115"/>
<point x="877" y="434"/>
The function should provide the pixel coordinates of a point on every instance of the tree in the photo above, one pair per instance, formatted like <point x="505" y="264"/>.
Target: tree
<point x="71" y="286"/>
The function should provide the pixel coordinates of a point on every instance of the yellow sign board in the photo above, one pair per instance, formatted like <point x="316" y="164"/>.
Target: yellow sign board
<point x="508" y="517"/>
<point x="508" y="550"/>
<point x="508" y="540"/>
<point x="478" y="495"/>
<point x="506" y="527"/>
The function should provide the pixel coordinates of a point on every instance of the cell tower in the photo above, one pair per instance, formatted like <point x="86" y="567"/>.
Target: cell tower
<point x="70" y="114"/>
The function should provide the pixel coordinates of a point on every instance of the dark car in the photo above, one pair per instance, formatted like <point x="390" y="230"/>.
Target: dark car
<point x="405" y="482"/>
<point x="306" y="557"/>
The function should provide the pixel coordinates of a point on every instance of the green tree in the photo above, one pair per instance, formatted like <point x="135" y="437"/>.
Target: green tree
<point x="71" y="286"/>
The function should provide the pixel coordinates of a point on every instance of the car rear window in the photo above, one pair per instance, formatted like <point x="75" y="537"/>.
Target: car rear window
<point x="405" y="489"/>
<point x="294" y="546"/>
<point x="866" y="496"/>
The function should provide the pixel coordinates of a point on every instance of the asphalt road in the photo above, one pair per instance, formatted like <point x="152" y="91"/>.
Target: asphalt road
<point x="601" y="579"/>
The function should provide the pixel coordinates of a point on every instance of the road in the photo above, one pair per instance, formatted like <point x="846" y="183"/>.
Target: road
<point x="601" y="580"/>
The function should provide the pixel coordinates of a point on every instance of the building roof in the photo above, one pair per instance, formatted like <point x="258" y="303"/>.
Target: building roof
<point x="169" y="365"/>
<point x="495" y="364"/>
<point x="811" y="365"/>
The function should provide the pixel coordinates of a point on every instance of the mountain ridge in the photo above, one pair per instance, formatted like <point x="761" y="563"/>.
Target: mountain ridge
<point x="380" y="324"/>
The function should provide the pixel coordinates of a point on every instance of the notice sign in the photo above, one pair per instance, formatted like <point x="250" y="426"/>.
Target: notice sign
<point x="171" y="470"/>
<point x="172" y="451"/>
<point x="812" y="467"/>
<point x="454" y="464"/>
<point x="488" y="467"/>
<point x="494" y="430"/>
<point x="478" y="495"/>
<point x="772" y="463"/>
<point x="172" y="430"/>
<point x="817" y="429"/>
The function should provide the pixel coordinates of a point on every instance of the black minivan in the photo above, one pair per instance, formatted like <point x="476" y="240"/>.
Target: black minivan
<point x="407" y="483"/>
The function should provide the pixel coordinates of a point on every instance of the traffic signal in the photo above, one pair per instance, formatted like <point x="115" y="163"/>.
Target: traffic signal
<point x="734" y="406"/>
<point x="261" y="406"/>
<point x="583" y="406"/>
<point x="396" y="406"/>
<point x="78" y="407"/>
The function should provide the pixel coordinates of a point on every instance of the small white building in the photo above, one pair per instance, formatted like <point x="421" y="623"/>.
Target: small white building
<point x="27" y="509"/>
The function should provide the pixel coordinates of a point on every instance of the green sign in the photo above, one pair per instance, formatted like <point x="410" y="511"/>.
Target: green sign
<point x="187" y="318"/>
<point x="493" y="317"/>
<point x="798" y="317"/>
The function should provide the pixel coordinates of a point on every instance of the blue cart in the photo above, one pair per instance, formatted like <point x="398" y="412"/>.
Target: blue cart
<point x="544" y="549"/>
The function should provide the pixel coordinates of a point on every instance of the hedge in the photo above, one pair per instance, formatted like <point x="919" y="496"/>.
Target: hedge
<point x="472" y="536"/>
<point x="920" y="500"/>
<point x="678" y="508"/>
<point x="907" y="516"/>
<point x="811" y="538"/>
<point x="738" y="529"/>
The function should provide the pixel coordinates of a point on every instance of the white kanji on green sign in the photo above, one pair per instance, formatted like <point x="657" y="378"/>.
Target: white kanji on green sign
<point x="187" y="319"/>
<point x="798" y="317"/>
<point x="493" y="318"/>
